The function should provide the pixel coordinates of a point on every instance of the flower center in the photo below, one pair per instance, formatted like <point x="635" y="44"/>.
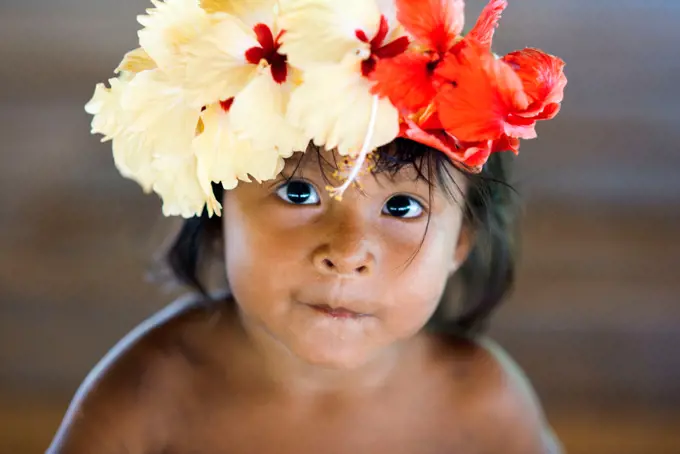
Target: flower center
<point x="378" y="48"/>
<point x="268" y="50"/>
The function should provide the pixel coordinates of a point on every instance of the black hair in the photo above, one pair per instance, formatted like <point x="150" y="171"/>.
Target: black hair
<point x="483" y="280"/>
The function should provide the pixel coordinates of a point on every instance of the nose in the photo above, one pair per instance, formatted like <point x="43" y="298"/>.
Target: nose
<point x="348" y="259"/>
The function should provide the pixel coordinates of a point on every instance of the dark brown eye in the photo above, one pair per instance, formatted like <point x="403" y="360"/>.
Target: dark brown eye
<point x="298" y="192"/>
<point x="403" y="206"/>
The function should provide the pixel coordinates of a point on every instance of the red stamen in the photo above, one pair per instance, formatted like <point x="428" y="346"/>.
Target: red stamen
<point x="382" y="33"/>
<point x="269" y="51"/>
<point x="396" y="47"/>
<point x="378" y="50"/>
<point x="264" y="36"/>
<point x="368" y="66"/>
<point x="226" y="105"/>
<point x="255" y="54"/>
<point x="279" y="68"/>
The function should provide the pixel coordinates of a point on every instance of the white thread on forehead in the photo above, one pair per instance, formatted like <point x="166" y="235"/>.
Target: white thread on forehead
<point x="337" y="192"/>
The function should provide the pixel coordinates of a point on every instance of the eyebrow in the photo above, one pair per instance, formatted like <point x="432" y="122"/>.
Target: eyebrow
<point x="312" y="164"/>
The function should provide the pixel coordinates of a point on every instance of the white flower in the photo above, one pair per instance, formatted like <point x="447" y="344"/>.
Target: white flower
<point x="240" y="64"/>
<point x="333" y="106"/>
<point x="337" y="45"/>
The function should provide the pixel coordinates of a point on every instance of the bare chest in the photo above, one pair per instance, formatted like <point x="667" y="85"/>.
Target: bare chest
<point x="421" y="429"/>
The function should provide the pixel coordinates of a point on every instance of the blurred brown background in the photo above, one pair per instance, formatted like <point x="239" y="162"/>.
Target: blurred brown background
<point x="595" y="320"/>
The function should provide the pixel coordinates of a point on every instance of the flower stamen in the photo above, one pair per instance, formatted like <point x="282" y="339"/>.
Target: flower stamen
<point x="379" y="50"/>
<point x="337" y="192"/>
<point x="269" y="52"/>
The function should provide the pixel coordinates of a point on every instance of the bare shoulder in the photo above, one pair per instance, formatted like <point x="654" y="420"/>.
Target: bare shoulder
<point x="122" y="406"/>
<point x="502" y="410"/>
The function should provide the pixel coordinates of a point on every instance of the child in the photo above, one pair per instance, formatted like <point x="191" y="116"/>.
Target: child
<point x="354" y="149"/>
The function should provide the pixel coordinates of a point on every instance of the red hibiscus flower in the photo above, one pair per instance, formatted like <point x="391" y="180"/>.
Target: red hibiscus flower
<point x="478" y="95"/>
<point x="455" y="95"/>
<point x="408" y="79"/>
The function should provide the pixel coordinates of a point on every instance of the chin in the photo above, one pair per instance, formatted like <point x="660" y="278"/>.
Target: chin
<point x="333" y="356"/>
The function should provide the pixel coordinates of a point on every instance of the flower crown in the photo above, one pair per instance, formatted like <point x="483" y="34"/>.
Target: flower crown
<point x="224" y="90"/>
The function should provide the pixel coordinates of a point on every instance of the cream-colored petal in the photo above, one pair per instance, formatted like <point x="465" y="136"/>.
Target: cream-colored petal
<point x="251" y="12"/>
<point x="324" y="31"/>
<point x="224" y="158"/>
<point x="157" y="108"/>
<point x="105" y="105"/>
<point x="333" y="106"/>
<point x="136" y="61"/>
<point x="132" y="154"/>
<point x="177" y="184"/>
<point x="168" y="26"/>
<point x="215" y="67"/>
<point x="388" y="8"/>
<point x="259" y="115"/>
<point x="133" y="158"/>
<point x="214" y="149"/>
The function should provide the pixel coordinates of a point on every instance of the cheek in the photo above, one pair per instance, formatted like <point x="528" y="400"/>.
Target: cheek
<point x="413" y="290"/>
<point x="263" y="258"/>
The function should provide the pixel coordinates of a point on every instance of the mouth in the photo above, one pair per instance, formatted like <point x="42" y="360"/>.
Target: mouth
<point x="336" y="312"/>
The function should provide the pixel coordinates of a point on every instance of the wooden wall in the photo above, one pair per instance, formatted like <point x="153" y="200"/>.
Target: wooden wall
<point x="595" y="319"/>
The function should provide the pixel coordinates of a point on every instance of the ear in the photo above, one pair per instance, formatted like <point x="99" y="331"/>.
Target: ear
<point x="466" y="241"/>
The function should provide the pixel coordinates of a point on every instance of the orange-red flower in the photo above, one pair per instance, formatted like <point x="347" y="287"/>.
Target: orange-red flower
<point x="408" y="80"/>
<point x="543" y="80"/>
<point x="477" y="95"/>
<point x="455" y="95"/>
<point x="420" y="82"/>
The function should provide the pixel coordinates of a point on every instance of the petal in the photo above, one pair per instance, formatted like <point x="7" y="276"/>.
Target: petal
<point x="468" y="156"/>
<point x="550" y="112"/>
<point x="216" y="66"/>
<point x="168" y="26"/>
<point x="225" y="158"/>
<point x="109" y="118"/>
<point x="519" y="127"/>
<point x="487" y="22"/>
<point x="324" y="31"/>
<point x="405" y="80"/>
<point x="333" y="107"/>
<point x="542" y="76"/>
<point x="250" y="12"/>
<point x="435" y="23"/>
<point x="156" y="107"/>
<point x="506" y="143"/>
<point x="132" y="152"/>
<point x="477" y="94"/>
<point x="259" y="115"/>
<point x="474" y="156"/>
<point x="437" y="140"/>
<point x="136" y="61"/>
<point x="177" y="184"/>
<point x="214" y="149"/>
<point x="133" y="158"/>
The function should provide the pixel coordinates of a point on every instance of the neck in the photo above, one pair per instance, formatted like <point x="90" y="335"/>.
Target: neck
<point x="267" y="361"/>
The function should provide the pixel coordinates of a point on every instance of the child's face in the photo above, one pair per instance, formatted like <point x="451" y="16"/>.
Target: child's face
<point x="292" y="253"/>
